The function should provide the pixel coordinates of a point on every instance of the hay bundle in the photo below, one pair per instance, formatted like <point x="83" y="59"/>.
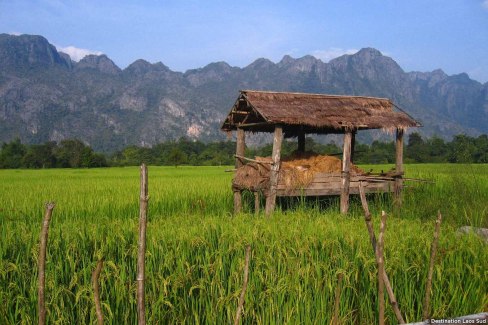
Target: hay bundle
<point x="252" y="176"/>
<point x="297" y="171"/>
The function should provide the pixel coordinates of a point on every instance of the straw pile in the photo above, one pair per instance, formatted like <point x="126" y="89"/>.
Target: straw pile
<point x="297" y="171"/>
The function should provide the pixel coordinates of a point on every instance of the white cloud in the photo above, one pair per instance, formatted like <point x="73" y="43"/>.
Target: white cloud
<point x="15" y="33"/>
<point x="484" y="4"/>
<point x="77" y="54"/>
<point x="332" y="53"/>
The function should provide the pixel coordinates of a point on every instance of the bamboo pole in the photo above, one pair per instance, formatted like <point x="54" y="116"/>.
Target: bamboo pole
<point x="381" y="269"/>
<point x="244" y="286"/>
<point x="337" y="300"/>
<point x="274" y="172"/>
<point x="372" y="237"/>
<point x="141" y="311"/>
<point x="346" y="164"/>
<point x="42" y="262"/>
<point x="96" y="291"/>
<point x="433" y="252"/>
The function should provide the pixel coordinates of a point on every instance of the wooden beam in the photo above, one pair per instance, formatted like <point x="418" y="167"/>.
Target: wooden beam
<point x="240" y="150"/>
<point x="275" y="168"/>
<point x="346" y="166"/>
<point x="301" y="142"/>
<point x="244" y="125"/>
<point x="240" y="158"/>
<point x="399" y="167"/>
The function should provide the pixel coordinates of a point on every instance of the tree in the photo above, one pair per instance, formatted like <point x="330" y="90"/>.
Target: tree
<point x="462" y="148"/>
<point x="75" y="154"/>
<point x="11" y="154"/>
<point x="416" y="150"/>
<point x="177" y="157"/>
<point x="40" y="156"/>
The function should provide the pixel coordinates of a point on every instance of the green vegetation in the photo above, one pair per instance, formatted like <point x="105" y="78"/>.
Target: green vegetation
<point x="195" y="253"/>
<point x="66" y="154"/>
<point x="75" y="154"/>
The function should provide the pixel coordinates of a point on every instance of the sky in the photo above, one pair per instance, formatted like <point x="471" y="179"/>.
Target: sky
<point x="420" y="35"/>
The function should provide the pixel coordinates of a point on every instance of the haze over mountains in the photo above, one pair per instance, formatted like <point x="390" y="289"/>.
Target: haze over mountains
<point x="45" y="96"/>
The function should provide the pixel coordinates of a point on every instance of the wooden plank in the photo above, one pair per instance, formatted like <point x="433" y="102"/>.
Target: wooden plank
<point x="334" y="179"/>
<point x="346" y="164"/>
<point x="336" y="183"/>
<point x="275" y="168"/>
<point x="336" y="190"/>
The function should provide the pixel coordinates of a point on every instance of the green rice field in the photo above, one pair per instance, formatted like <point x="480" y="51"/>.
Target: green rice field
<point x="195" y="248"/>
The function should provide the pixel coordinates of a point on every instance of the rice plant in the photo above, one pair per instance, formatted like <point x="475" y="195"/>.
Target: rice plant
<point x="195" y="249"/>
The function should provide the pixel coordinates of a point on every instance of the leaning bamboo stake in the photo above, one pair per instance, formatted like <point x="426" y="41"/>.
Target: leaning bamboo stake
<point x="372" y="237"/>
<point x="381" y="268"/>
<point x="335" y="320"/>
<point x="433" y="252"/>
<point x="244" y="286"/>
<point x="141" y="311"/>
<point x="42" y="261"/>
<point x="96" y="291"/>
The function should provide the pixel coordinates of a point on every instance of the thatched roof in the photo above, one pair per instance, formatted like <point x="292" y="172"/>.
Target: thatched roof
<point x="260" y="111"/>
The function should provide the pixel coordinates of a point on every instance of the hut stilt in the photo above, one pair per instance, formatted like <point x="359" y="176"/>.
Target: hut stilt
<point x="240" y="151"/>
<point x="346" y="176"/>
<point x="275" y="168"/>
<point x="301" y="141"/>
<point x="399" y="167"/>
<point x="353" y="145"/>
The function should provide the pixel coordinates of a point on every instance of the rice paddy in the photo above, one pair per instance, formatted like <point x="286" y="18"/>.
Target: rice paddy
<point x="195" y="249"/>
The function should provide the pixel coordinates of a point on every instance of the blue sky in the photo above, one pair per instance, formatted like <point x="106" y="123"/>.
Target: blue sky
<point x="421" y="35"/>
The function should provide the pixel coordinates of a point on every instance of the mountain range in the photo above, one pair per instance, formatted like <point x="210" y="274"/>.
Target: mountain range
<point x="46" y="96"/>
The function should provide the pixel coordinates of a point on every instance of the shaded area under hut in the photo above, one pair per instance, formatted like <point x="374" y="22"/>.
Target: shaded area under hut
<point x="295" y="115"/>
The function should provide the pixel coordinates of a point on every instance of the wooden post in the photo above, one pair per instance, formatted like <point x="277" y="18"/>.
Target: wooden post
<point x="240" y="151"/>
<point x="399" y="167"/>
<point x="372" y="237"/>
<point x="433" y="252"/>
<point x="240" y="146"/>
<point x="301" y="142"/>
<point x="256" y="202"/>
<point x="275" y="168"/>
<point x="346" y="165"/>
<point x="381" y="269"/>
<point x="353" y="145"/>
<point x="141" y="252"/>
<point x="42" y="262"/>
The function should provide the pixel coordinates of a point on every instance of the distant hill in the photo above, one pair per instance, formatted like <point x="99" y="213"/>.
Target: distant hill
<point x="44" y="95"/>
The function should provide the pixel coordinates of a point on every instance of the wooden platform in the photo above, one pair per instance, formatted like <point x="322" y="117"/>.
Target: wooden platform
<point x="325" y="184"/>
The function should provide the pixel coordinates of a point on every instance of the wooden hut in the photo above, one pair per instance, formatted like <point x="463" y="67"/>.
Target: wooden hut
<point x="296" y="114"/>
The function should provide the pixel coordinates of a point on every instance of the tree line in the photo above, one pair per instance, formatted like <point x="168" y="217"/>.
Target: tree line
<point x="73" y="153"/>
